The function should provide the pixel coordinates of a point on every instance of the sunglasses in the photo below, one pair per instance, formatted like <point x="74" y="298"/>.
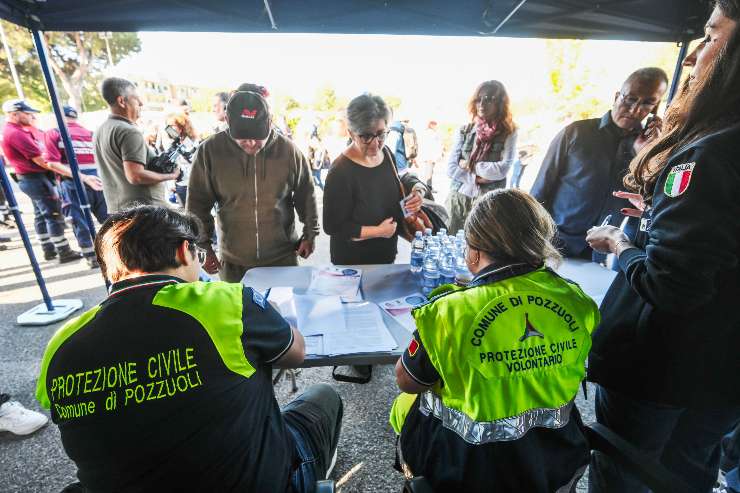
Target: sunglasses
<point x="368" y="138"/>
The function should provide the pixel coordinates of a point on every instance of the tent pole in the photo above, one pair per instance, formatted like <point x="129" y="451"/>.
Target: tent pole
<point x="11" y="63"/>
<point x="8" y="189"/>
<point x="679" y="68"/>
<point x="68" y="148"/>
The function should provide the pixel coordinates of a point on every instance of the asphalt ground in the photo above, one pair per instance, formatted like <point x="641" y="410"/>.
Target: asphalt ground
<point x="37" y="463"/>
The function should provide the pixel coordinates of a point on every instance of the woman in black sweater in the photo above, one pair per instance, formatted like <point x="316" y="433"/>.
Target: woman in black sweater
<point x="362" y="194"/>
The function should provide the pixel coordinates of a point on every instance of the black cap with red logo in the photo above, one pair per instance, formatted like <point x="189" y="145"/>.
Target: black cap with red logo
<point x="248" y="115"/>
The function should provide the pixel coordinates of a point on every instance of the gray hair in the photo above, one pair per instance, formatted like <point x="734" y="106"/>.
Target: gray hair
<point x="364" y="110"/>
<point x="113" y="87"/>
<point x="648" y="75"/>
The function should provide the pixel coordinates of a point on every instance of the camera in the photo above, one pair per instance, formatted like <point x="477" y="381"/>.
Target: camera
<point x="166" y="162"/>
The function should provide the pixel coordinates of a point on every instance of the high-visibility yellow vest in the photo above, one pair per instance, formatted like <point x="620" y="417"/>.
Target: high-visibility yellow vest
<point x="510" y="354"/>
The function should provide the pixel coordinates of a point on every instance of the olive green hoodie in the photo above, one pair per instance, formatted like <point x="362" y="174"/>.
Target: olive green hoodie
<point x="254" y="197"/>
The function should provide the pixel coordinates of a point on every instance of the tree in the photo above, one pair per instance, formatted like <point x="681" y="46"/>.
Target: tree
<point x="78" y="60"/>
<point x="77" y="57"/>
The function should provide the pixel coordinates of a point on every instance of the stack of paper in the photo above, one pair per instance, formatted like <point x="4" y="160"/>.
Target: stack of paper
<point x="400" y="309"/>
<point x="331" y="327"/>
<point x="336" y="281"/>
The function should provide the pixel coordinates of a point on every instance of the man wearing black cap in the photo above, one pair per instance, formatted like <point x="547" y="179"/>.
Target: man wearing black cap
<point x="258" y="177"/>
<point x="55" y="152"/>
<point x="24" y="152"/>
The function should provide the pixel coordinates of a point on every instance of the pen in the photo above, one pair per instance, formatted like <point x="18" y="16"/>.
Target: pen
<point x="606" y="220"/>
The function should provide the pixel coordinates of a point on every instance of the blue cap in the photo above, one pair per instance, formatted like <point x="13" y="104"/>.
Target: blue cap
<point x="18" y="105"/>
<point x="69" y="111"/>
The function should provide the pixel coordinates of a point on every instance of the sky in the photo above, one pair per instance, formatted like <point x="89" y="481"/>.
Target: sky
<point x="432" y="74"/>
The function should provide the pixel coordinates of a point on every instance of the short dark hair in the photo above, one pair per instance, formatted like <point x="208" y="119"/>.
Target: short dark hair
<point x="144" y="238"/>
<point x="365" y="110"/>
<point x="113" y="87"/>
<point x="223" y="96"/>
<point x="649" y="75"/>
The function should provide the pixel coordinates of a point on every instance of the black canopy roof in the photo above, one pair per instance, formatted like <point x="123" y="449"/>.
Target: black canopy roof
<point x="646" y="20"/>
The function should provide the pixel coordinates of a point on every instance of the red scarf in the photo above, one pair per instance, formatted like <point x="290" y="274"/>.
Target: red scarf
<point x="484" y="133"/>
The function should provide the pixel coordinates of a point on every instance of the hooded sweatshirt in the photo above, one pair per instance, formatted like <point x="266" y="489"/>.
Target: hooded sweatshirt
<point x="254" y="198"/>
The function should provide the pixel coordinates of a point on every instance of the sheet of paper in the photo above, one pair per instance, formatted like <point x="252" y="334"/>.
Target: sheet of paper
<point x="365" y="332"/>
<point x="336" y="281"/>
<point x="281" y="297"/>
<point x="400" y="309"/>
<point x="318" y="314"/>
<point x="314" y="345"/>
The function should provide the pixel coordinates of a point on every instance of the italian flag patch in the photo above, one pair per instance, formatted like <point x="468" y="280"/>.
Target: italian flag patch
<point x="678" y="179"/>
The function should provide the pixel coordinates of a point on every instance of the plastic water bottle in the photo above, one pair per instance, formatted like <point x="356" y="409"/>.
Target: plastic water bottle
<point x="417" y="253"/>
<point x="427" y="236"/>
<point x="463" y="276"/>
<point x="430" y="273"/>
<point x="447" y="268"/>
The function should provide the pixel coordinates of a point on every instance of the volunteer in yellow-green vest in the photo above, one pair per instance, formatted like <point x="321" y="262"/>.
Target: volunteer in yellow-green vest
<point x="490" y="377"/>
<point x="167" y="384"/>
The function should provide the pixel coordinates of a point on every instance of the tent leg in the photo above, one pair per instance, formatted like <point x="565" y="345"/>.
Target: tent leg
<point x="679" y="68"/>
<point x="64" y="132"/>
<point x="49" y="311"/>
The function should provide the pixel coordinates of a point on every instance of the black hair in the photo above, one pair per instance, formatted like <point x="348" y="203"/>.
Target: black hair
<point x="143" y="238"/>
<point x="113" y="87"/>
<point x="223" y="96"/>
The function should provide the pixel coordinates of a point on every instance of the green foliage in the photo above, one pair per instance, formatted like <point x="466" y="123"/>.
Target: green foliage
<point x="79" y="60"/>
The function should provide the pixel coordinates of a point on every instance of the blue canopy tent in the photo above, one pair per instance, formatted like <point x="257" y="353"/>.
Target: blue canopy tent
<point x="643" y="20"/>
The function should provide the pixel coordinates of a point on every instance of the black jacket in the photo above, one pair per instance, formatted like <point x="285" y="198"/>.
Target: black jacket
<point x="670" y="330"/>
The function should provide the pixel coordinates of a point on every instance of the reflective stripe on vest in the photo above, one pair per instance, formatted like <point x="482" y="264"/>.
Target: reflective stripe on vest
<point x="501" y="430"/>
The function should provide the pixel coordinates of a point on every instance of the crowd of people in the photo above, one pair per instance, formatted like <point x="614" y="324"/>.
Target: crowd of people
<point x="490" y="377"/>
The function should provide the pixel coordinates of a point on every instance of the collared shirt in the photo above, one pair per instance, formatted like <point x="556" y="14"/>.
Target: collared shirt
<point x="585" y="163"/>
<point x="167" y="386"/>
<point x="81" y="142"/>
<point x="20" y="147"/>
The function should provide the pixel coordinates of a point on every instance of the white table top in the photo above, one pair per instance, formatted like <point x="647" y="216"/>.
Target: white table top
<point x="385" y="282"/>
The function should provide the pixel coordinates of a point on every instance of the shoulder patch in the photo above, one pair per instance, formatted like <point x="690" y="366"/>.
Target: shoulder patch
<point x="678" y="179"/>
<point x="258" y="298"/>
<point x="413" y="347"/>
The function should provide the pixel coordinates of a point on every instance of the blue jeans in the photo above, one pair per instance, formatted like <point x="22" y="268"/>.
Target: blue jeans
<point x="47" y="210"/>
<point x="314" y="419"/>
<point x="686" y="441"/>
<point x="73" y="210"/>
<point x="731" y="459"/>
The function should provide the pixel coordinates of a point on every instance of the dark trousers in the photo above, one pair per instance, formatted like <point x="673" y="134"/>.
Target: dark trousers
<point x="686" y="441"/>
<point x="182" y="194"/>
<point x="731" y="459"/>
<point x="47" y="210"/>
<point x="234" y="272"/>
<point x="314" y="419"/>
<point x="73" y="210"/>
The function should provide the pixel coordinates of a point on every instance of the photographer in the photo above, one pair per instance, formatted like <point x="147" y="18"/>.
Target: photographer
<point x="122" y="153"/>
<point x="179" y="134"/>
<point x="184" y="398"/>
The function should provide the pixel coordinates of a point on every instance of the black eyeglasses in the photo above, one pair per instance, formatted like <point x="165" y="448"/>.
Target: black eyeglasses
<point x="487" y="99"/>
<point x="368" y="138"/>
<point x="631" y="101"/>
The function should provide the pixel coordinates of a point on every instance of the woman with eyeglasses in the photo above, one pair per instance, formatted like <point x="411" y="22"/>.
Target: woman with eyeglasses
<point x="483" y="152"/>
<point x="665" y="356"/>
<point x="363" y="194"/>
